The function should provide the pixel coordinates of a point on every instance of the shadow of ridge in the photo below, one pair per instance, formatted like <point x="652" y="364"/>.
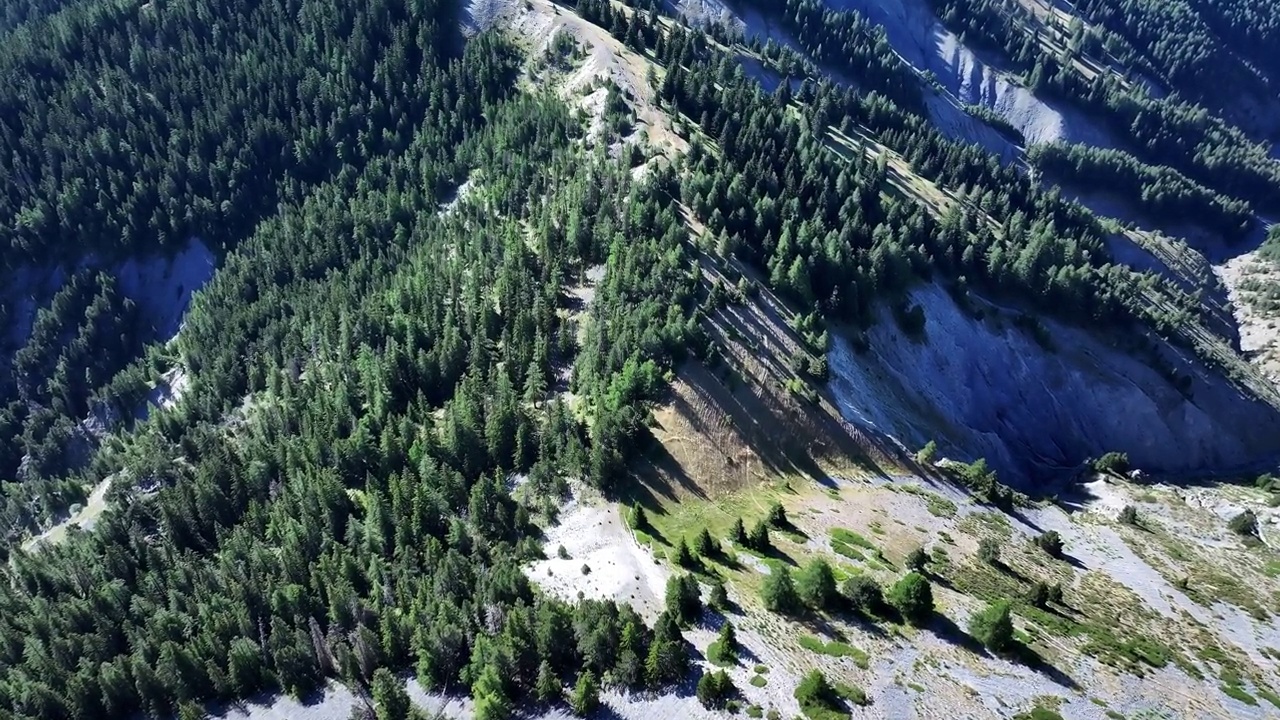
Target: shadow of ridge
<point x="661" y="473"/>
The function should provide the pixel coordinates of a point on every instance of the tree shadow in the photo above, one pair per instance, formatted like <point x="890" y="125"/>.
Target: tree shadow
<point x="1071" y="560"/>
<point x="1021" y="653"/>
<point x="1002" y="566"/>
<point x="1029" y="657"/>
<point x="946" y="628"/>
<point x="792" y="532"/>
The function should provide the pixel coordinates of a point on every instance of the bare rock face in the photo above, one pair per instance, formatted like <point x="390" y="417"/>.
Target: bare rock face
<point x="973" y="78"/>
<point x="161" y="285"/>
<point x="982" y="389"/>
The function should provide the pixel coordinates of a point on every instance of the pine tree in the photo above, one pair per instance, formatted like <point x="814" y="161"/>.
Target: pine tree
<point x="916" y="560"/>
<point x="705" y="546"/>
<point x="779" y="592"/>
<point x="993" y="626"/>
<point x="777" y="516"/>
<point x="547" y="688"/>
<point x="817" y="585"/>
<point x="715" y="689"/>
<point x="684" y="558"/>
<point x="738" y="534"/>
<point x="724" y="650"/>
<point x="718" y="598"/>
<point x="759" y="539"/>
<point x="683" y="601"/>
<point x="586" y="694"/>
<point x="390" y="701"/>
<point x="913" y="597"/>
<point x="638" y="519"/>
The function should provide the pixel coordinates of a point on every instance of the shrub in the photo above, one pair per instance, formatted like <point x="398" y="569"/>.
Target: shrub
<point x="779" y="592"/>
<point x="1244" y="524"/>
<point x="989" y="551"/>
<point x="562" y="553"/>
<point x="1050" y="542"/>
<point x="928" y="453"/>
<point x="1129" y="515"/>
<point x="993" y="627"/>
<point x="913" y="597"/>
<point x="916" y="559"/>
<point x="817" y="585"/>
<point x="863" y="593"/>
<point x="1112" y="462"/>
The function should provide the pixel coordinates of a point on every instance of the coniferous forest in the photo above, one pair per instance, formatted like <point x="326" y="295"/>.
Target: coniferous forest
<point x="372" y="364"/>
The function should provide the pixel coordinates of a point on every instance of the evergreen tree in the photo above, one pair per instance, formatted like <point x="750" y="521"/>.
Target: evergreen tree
<point x="913" y="597"/>
<point x="993" y="626"/>
<point x="586" y="694"/>
<point x="759" y="538"/>
<point x="390" y="701"/>
<point x="704" y="546"/>
<point x="916" y="560"/>
<point x="779" y="593"/>
<point x="547" y="688"/>
<point x="816" y="585"/>
<point x="863" y="593"/>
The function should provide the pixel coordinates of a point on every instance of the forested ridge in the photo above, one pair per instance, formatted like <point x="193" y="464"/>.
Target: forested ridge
<point x="370" y="370"/>
<point x="1176" y="131"/>
<point x="342" y="326"/>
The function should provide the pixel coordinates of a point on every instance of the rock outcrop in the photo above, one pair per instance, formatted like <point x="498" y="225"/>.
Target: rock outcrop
<point x="982" y="390"/>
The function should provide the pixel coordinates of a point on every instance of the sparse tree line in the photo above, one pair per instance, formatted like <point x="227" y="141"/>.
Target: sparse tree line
<point x="1169" y="131"/>
<point x="1161" y="192"/>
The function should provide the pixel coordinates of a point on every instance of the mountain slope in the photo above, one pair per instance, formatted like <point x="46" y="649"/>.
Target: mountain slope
<point x="531" y="311"/>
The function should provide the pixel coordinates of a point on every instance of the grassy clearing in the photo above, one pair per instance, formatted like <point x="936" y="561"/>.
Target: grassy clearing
<point x="849" y="537"/>
<point x="834" y="648"/>
<point x="938" y="506"/>
<point x="856" y="547"/>
<point x="852" y="693"/>
<point x="1237" y="692"/>
<point x="1204" y="581"/>
<point x="1105" y="629"/>
<point x="1039" y="713"/>
<point x="1269" y="696"/>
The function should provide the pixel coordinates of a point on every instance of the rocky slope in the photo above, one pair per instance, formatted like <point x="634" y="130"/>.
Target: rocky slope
<point x="984" y="388"/>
